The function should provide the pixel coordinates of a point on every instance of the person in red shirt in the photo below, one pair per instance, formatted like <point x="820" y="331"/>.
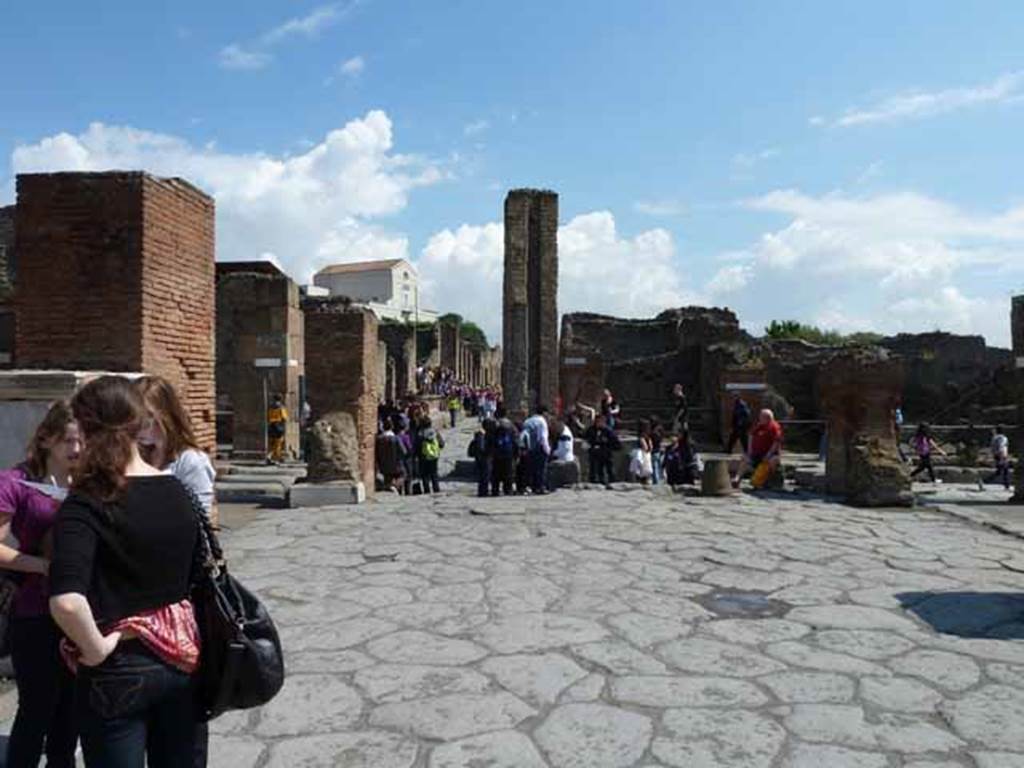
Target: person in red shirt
<point x="765" y="444"/>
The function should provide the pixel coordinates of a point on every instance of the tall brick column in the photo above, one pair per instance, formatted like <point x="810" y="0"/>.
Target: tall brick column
<point x="342" y="370"/>
<point x="530" y="303"/>
<point x="258" y="319"/>
<point x="1017" y="445"/>
<point x="116" y="273"/>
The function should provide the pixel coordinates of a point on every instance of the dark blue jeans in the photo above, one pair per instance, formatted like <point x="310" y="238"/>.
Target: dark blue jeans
<point x="46" y="697"/>
<point x="134" y="708"/>
<point x="538" y="471"/>
<point x="483" y="477"/>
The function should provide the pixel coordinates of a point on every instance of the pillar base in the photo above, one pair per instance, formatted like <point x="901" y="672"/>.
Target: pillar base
<point x="326" y="494"/>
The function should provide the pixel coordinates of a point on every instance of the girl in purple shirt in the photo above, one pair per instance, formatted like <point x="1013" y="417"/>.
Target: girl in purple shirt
<point x="29" y="498"/>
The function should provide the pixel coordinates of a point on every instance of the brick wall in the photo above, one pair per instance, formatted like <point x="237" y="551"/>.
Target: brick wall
<point x="258" y="316"/>
<point x="342" y="370"/>
<point x="116" y="272"/>
<point x="530" y="300"/>
<point x="399" y="340"/>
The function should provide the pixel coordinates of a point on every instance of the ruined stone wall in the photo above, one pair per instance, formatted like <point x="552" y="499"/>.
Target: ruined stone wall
<point x="7" y="266"/>
<point x="942" y="368"/>
<point x="342" y="370"/>
<point x="258" y="317"/>
<point x="620" y="339"/>
<point x="116" y="272"/>
<point x="530" y="299"/>
<point x="451" y="346"/>
<point x="399" y="338"/>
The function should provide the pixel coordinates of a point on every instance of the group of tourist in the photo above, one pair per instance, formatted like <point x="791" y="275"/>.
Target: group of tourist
<point x="407" y="448"/>
<point x="103" y="638"/>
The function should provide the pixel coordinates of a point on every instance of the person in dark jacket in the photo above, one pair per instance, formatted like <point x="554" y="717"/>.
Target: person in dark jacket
<point x="504" y="448"/>
<point x="602" y="442"/>
<point x="481" y="451"/>
<point x="682" y="465"/>
<point x="740" y="428"/>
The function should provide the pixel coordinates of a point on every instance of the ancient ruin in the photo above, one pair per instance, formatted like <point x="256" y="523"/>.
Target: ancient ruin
<point x="860" y="390"/>
<point x="530" y="303"/>
<point x="341" y="382"/>
<point x="260" y="354"/>
<point x="134" y="291"/>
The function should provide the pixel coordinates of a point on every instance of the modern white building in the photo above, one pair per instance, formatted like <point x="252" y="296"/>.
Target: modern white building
<point x="390" y="288"/>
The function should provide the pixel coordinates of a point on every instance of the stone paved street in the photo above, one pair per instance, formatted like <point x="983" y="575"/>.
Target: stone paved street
<point x="634" y="628"/>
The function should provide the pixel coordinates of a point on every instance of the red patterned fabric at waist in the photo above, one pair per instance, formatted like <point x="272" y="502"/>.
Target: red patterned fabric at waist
<point x="170" y="632"/>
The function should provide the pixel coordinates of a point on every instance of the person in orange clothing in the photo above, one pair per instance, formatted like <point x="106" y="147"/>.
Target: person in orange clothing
<point x="277" y="428"/>
<point x="765" y="445"/>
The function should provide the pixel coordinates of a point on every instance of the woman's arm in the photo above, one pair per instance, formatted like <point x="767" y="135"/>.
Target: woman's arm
<point x="12" y="559"/>
<point x="72" y="613"/>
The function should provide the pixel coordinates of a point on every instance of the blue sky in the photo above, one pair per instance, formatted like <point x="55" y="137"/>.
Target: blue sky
<point x="855" y="165"/>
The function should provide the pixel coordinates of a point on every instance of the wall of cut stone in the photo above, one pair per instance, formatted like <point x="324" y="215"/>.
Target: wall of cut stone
<point x="258" y="318"/>
<point x="342" y="370"/>
<point x="399" y="340"/>
<point x="530" y="300"/>
<point x="116" y="272"/>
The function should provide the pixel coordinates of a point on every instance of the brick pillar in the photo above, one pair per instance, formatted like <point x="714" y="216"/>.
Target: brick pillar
<point x="258" y="318"/>
<point x="399" y="340"/>
<point x="1017" y="334"/>
<point x="116" y="273"/>
<point x="530" y="303"/>
<point x="342" y="370"/>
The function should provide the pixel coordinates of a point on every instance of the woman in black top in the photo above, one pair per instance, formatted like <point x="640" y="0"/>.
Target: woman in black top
<point x="123" y="551"/>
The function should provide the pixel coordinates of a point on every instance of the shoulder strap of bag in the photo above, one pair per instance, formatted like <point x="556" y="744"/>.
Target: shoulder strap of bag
<point x="208" y="557"/>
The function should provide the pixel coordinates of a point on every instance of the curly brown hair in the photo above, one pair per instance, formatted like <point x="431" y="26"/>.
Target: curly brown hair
<point x="161" y="400"/>
<point x="110" y="412"/>
<point x="53" y="425"/>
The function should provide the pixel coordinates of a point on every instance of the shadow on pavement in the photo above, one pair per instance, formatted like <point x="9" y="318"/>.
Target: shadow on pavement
<point x="998" y="615"/>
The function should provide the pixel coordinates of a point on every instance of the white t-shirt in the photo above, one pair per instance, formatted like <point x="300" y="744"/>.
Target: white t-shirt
<point x="1000" y="446"/>
<point x="563" y="448"/>
<point x="194" y="470"/>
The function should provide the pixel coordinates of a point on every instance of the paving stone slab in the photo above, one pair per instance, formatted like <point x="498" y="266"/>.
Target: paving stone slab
<point x="686" y="692"/>
<point x="590" y="735"/>
<point x="453" y="716"/>
<point x="718" y="739"/>
<point x="990" y="715"/>
<point x="309" y="704"/>
<point x="504" y="749"/>
<point x="365" y="749"/>
<point x="412" y="647"/>
<point x="538" y="679"/>
<point x="401" y="682"/>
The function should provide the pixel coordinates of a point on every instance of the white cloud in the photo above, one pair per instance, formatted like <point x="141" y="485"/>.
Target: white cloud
<point x="599" y="270"/>
<point x="729" y="279"/>
<point x="306" y="210"/>
<point x="235" y="57"/>
<point x="893" y="262"/>
<point x="352" y="67"/>
<point x="258" y="56"/>
<point x="921" y="104"/>
<point x="309" y="25"/>
<point x="664" y="208"/>
<point x="476" y="127"/>
<point x="746" y="160"/>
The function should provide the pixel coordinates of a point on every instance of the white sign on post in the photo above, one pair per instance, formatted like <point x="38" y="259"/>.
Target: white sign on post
<point x="267" y="362"/>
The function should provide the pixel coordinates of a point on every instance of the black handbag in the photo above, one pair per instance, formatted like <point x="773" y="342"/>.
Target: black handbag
<point x="241" y="664"/>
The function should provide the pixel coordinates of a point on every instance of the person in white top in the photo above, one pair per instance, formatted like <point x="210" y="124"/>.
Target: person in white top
<point x="1001" y="455"/>
<point x="563" y="446"/>
<point x="536" y="428"/>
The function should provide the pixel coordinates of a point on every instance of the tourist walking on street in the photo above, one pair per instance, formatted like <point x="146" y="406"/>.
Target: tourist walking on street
<point x="740" y="424"/>
<point x="602" y="442"/>
<point x="401" y="429"/>
<point x="429" y="451"/>
<point x="503" y="457"/>
<point x="479" y="450"/>
<point x="680" y="409"/>
<point x="536" y="427"/>
<point x="610" y="409"/>
<point x="1001" y="456"/>
<point x="124" y="547"/>
<point x="640" y="465"/>
<point x="924" y="447"/>
<point x="29" y="497"/>
<point x="453" y="408"/>
<point x="277" y="429"/>
<point x="657" y="451"/>
<point x="522" y="458"/>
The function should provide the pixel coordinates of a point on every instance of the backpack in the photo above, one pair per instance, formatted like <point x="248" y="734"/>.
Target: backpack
<point x="503" y="443"/>
<point x="430" y="448"/>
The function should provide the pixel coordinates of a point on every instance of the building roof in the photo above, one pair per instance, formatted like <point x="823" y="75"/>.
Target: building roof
<point x="363" y="266"/>
<point x="259" y="267"/>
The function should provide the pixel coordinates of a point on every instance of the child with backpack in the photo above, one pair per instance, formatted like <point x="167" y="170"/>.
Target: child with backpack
<point x="429" y="449"/>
